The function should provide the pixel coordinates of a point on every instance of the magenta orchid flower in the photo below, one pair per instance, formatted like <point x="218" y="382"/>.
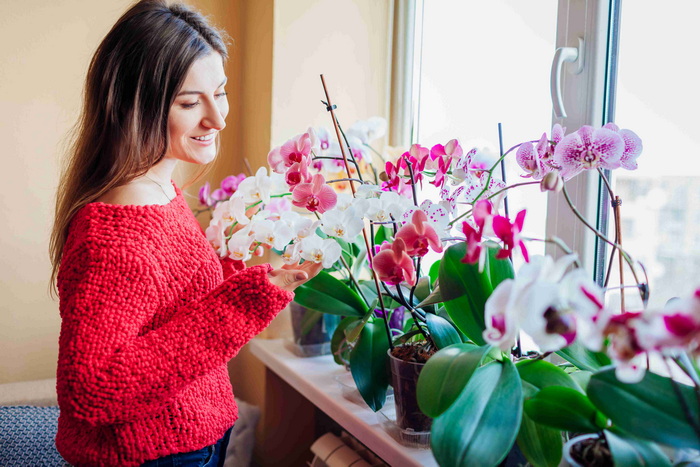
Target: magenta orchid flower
<point x="633" y="146"/>
<point x="483" y="214"/>
<point x="419" y="236"/>
<point x="230" y="184"/>
<point x="393" y="265"/>
<point x="509" y="233"/>
<point x="314" y="196"/>
<point x="204" y="195"/>
<point x="588" y="148"/>
<point x="294" y="150"/>
<point x="443" y="166"/>
<point x="450" y="151"/>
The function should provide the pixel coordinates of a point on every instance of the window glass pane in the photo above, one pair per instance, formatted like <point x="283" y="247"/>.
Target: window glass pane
<point x="485" y="62"/>
<point x="657" y="97"/>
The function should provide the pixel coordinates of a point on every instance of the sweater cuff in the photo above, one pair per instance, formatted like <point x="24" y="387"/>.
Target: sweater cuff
<point x="264" y="299"/>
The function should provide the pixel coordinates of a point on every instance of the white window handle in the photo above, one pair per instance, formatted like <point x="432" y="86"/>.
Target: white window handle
<point x="561" y="55"/>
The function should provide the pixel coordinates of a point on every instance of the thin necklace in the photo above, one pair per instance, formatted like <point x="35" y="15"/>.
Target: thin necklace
<point x="161" y="187"/>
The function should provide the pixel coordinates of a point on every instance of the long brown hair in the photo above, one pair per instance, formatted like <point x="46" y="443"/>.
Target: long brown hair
<point x="131" y="83"/>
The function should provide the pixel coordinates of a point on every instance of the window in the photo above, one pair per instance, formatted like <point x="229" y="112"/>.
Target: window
<point x="657" y="97"/>
<point x="488" y="62"/>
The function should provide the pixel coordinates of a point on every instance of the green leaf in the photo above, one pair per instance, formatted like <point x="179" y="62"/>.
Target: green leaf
<point x="649" y="409"/>
<point x="541" y="374"/>
<point x="408" y="324"/>
<point x="327" y="294"/>
<point x="422" y="288"/>
<point x="565" y="409"/>
<point x="352" y="332"/>
<point x="383" y="233"/>
<point x="434" y="272"/>
<point x="481" y="426"/>
<point x="465" y="291"/>
<point x="583" y="358"/>
<point x="309" y="320"/>
<point x="441" y="331"/>
<point x="499" y="269"/>
<point x="627" y="450"/>
<point x="434" y="297"/>
<point x="445" y="375"/>
<point x="369" y="364"/>
<point x="541" y="444"/>
<point x="340" y="347"/>
<point x="403" y="338"/>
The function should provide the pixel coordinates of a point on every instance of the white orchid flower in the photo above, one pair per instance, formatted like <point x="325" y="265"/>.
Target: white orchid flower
<point x="342" y="224"/>
<point x="390" y="206"/>
<point x="301" y="226"/>
<point x="216" y="235"/>
<point x="239" y="246"/>
<point x="256" y="188"/>
<point x="292" y="254"/>
<point x="231" y="211"/>
<point x="368" y="130"/>
<point x="343" y="202"/>
<point x="368" y="190"/>
<point x="320" y="250"/>
<point x="437" y="214"/>
<point x="532" y="301"/>
<point x="501" y="321"/>
<point x="274" y="234"/>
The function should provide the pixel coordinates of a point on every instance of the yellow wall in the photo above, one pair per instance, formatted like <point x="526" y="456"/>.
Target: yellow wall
<point x="279" y="50"/>
<point x="46" y="47"/>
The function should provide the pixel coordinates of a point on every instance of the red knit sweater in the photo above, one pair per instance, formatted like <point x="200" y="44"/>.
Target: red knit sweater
<point x="148" y="326"/>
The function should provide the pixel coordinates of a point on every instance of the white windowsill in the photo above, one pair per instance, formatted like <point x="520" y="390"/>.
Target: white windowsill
<point x="314" y="378"/>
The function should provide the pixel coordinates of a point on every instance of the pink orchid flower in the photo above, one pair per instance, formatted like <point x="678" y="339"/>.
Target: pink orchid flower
<point x="537" y="161"/>
<point x="294" y="150"/>
<point x="588" y="148"/>
<point x="314" y="196"/>
<point x="633" y="146"/>
<point x="393" y="265"/>
<point x="419" y="236"/>
<point x="298" y="173"/>
<point x="509" y="233"/>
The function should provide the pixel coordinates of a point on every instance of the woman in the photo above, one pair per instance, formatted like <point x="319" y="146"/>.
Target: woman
<point x="150" y="316"/>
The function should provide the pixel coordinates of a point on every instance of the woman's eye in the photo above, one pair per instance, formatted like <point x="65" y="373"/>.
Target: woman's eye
<point x="187" y="105"/>
<point x="221" y="94"/>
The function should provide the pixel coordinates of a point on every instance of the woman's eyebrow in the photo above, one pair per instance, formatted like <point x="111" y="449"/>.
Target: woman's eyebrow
<point x="182" y="93"/>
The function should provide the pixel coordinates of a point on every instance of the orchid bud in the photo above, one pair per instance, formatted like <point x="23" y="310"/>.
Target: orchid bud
<point x="383" y="177"/>
<point x="552" y="181"/>
<point x="259" y="251"/>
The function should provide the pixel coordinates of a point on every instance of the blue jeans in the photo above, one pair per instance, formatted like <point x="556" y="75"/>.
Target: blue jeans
<point x="209" y="456"/>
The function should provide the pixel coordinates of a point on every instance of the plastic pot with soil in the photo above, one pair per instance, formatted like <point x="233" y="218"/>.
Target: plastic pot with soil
<point x="312" y="331"/>
<point x="406" y="362"/>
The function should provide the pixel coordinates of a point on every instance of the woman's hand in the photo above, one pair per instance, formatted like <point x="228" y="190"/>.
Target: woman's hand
<point x="291" y="276"/>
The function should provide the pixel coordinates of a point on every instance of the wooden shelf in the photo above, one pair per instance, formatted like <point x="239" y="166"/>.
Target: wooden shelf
<point x="315" y="379"/>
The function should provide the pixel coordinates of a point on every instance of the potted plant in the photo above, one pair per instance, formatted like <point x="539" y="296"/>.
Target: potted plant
<point x="465" y="311"/>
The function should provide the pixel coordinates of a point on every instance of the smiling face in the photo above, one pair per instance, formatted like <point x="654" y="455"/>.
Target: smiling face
<point x="198" y="113"/>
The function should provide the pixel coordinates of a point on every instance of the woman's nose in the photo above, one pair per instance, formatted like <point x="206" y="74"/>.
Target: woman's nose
<point x="214" y="118"/>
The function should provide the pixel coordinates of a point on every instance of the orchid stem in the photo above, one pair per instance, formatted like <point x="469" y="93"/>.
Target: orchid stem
<point x="344" y="180"/>
<point x="413" y="181"/>
<point x="370" y="255"/>
<point x="623" y="253"/>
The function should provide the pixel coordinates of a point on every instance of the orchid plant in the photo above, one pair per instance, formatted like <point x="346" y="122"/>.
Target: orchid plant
<point x="327" y="202"/>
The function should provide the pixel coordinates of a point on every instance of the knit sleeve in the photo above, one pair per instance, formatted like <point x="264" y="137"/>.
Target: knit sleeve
<point x="109" y="371"/>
